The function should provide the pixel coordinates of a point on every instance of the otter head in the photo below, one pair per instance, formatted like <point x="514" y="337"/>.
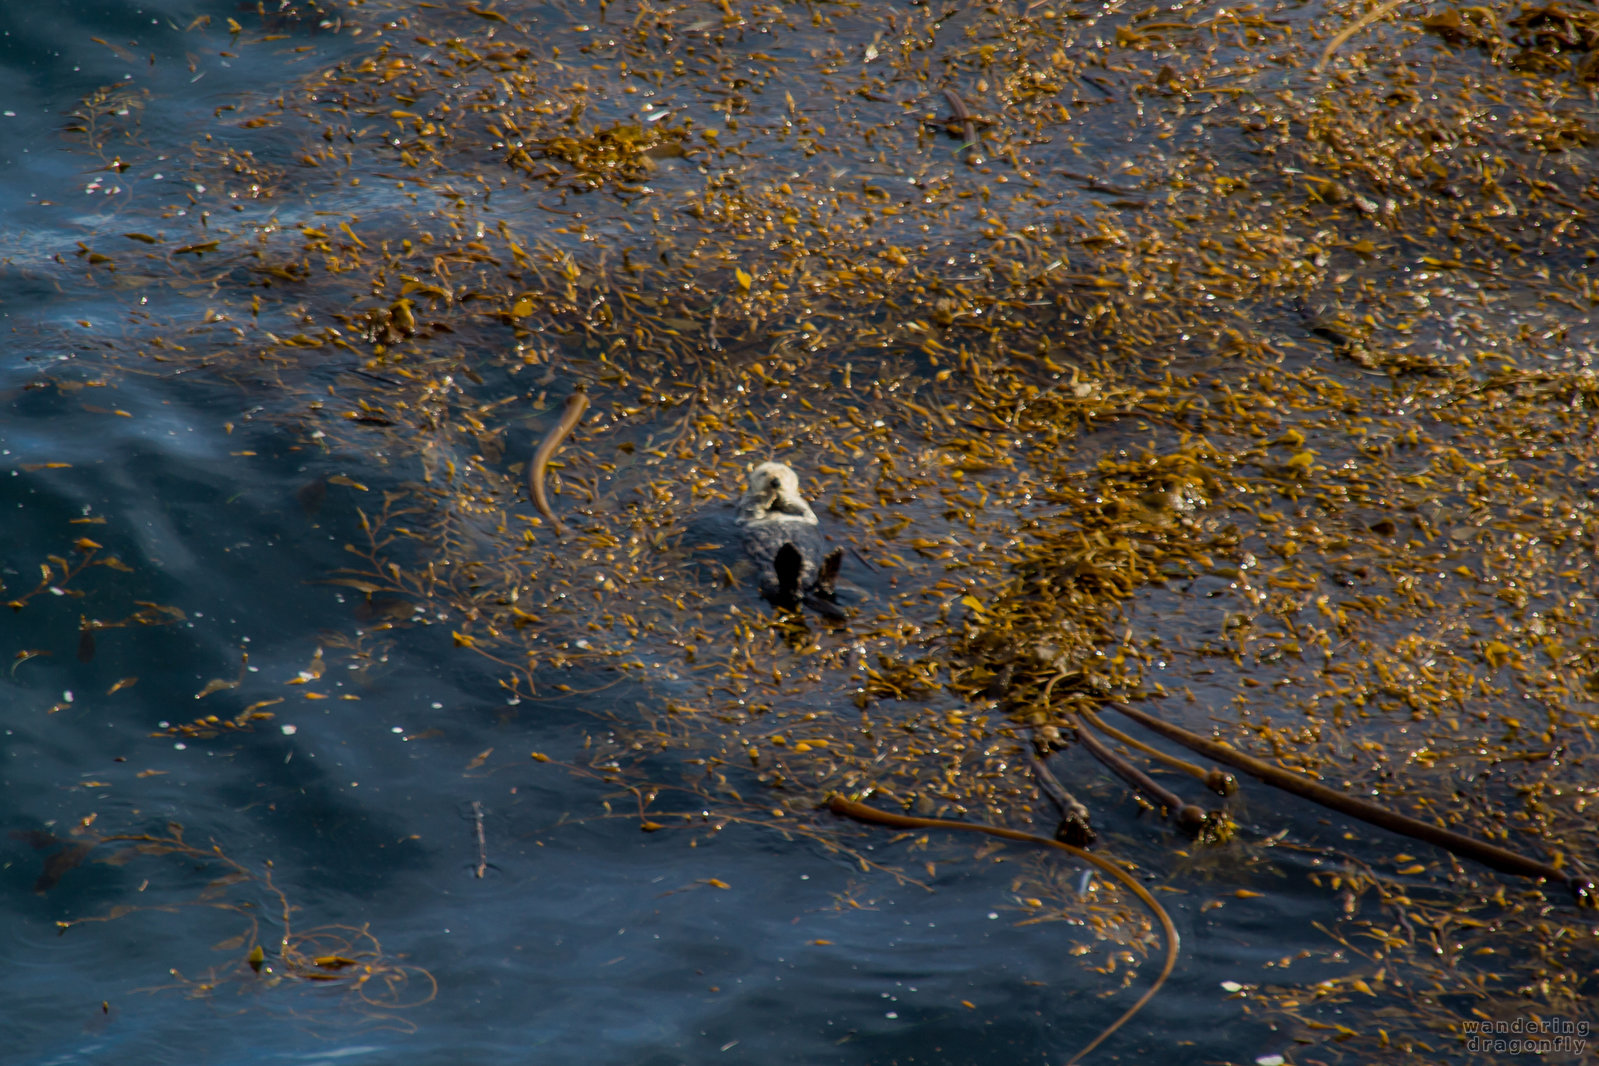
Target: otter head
<point x="773" y="489"/>
<point x="773" y="479"/>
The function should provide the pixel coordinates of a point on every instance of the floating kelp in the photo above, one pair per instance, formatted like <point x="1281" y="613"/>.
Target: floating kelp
<point x="337" y="954"/>
<point x="859" y="811"/>
<point x="1250" y="366"/>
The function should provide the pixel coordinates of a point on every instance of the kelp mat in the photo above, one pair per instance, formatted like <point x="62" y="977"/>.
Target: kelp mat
<point x="1236" y="361"/>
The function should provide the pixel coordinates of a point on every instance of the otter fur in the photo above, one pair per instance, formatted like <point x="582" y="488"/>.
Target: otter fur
<point x="781" y="535"/>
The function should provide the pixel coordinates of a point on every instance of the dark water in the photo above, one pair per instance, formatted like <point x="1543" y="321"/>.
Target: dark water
<point x="584" y="940"/>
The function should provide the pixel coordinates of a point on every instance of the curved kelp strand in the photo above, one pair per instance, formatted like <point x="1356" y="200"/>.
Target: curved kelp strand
<point x="862" y="813"/>
<point x="576" y="404"/>
<point x="1219" y="782"/>
<point x="1491" y="855"/>
<point x="1190" y="816"/>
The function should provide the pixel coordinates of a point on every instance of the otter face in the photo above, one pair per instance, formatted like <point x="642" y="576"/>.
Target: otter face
<point x="773" y="479"/>
<point x="773" y="492"/>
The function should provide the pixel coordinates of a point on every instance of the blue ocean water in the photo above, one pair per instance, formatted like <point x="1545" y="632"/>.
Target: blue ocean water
<point x="168" y="537"/>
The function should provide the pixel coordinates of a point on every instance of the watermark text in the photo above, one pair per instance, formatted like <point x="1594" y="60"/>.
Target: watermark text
<point x="1527" y="1035"/>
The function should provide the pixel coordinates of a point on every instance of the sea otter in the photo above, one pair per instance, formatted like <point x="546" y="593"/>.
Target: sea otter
<point x="781" y="535"/>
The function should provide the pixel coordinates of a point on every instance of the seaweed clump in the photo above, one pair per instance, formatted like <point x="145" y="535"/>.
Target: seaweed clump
<point x="1244" y="374"/>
